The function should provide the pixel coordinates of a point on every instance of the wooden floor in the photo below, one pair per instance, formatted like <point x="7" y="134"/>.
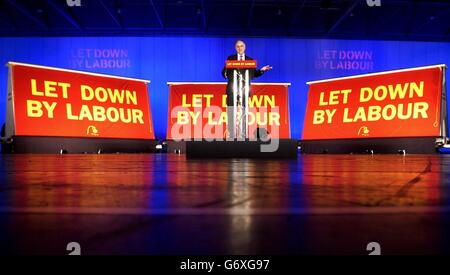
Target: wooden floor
<point x="165" y="204"/>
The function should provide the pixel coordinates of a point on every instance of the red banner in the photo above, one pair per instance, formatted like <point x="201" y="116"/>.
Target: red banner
<point x="404" y="103"/>
<point x="198" y="110"/>
<point x="54" y="102"/>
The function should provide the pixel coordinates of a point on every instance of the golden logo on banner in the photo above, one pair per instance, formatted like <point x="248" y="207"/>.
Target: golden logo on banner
<point x="363" y="131"/>
<point x="92" y="131"/>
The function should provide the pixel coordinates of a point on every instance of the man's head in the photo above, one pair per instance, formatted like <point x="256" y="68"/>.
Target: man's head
<point x="240" y="47"/>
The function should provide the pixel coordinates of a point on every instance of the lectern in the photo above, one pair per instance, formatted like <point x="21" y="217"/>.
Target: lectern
<point x="241" y="92"/>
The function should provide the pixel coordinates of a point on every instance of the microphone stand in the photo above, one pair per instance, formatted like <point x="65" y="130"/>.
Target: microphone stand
<point x="241" y="91"/>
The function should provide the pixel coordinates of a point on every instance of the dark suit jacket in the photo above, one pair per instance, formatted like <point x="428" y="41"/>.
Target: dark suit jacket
<point x="228" y="74"/>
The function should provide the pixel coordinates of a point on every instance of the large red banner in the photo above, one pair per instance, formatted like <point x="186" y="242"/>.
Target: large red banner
<point x="405" y="103"/>
<point x="198" y="110"/>
<point x="55" y="102"/>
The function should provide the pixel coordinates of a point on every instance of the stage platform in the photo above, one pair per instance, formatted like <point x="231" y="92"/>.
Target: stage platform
<point x="167" y="204"/>
<point x="271" y="149"/>
<point x="201" y="149"/>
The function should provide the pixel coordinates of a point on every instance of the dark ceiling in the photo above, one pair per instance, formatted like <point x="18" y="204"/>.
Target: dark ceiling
<point x="394" y="19"/>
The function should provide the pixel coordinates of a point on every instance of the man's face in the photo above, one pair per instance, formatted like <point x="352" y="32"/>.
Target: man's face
<point x="240" y="47"/>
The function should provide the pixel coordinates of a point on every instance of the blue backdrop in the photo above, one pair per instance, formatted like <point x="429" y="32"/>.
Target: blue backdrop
<point x="163" y="59"/>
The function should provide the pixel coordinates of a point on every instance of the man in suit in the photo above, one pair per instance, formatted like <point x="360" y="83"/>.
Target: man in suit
<point x="228" y="74"/>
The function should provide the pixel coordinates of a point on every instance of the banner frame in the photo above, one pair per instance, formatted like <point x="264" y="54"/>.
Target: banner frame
<point x="174" y="83"/>
<point x="60" y="144"/>
<point x="393" y="145"/>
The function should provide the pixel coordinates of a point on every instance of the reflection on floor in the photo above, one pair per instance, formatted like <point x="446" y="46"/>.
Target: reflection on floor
<point x="165" y="204"/>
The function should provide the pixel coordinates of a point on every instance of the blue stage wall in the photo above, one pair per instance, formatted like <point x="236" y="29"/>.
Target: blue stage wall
<point x="163" y="59"/>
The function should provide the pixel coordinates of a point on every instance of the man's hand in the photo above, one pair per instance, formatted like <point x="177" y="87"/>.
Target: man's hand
<point x="266" y="68"/>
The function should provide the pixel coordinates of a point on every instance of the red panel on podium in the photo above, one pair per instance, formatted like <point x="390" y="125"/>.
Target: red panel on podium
<point x="245" y="64"/>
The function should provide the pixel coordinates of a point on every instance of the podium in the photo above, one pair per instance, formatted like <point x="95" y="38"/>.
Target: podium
<point x="241" y="93"/>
